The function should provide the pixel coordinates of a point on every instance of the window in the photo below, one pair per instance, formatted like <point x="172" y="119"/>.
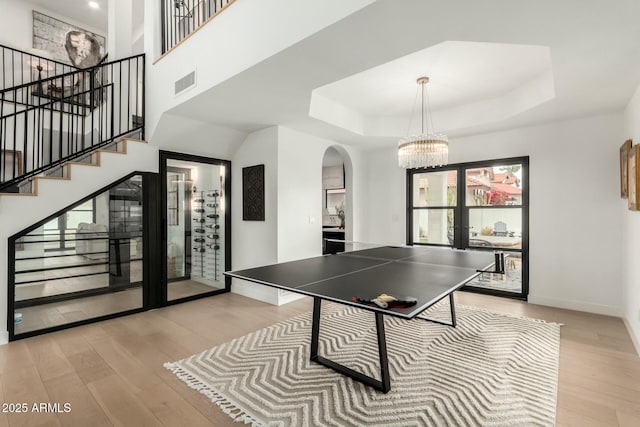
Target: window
<point x="479" y="206"/>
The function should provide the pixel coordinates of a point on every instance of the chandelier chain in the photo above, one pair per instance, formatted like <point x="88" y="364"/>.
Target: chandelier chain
<point x="413" y="110"/>
<point x="429" y="116"/>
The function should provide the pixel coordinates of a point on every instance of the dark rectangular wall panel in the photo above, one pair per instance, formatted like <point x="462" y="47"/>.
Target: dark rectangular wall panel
<point x="253" y="193"/>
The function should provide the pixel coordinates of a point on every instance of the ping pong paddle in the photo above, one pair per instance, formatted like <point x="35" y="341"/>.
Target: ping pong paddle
<point x="388" y="301"/>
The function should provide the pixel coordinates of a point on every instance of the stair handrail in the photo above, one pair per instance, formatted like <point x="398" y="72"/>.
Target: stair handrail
<point x="19" y="66"/>
<point x="121" y="114"/>
<point x="71" y="73"/>
<point x="2" y="46"/>
<point x="53" y="101"/>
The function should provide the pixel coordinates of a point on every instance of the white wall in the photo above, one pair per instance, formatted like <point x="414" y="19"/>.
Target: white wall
<point x="120" y="28"/>
<point x="386" y="198"/>
<point x="255" y="243"/>
<point x="299" y="208"/>
<point x="300" y="159"/>
<point x="574" y="206"/>
<point x="630" y="232"/>
<point x="177" y="133"/>
<point x="17" y="32"/>
<point x="357" y="183"/>
<point x="293" y="179"/>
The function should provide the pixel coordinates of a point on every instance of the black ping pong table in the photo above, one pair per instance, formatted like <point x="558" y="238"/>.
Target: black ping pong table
<point x="428" y="274"/>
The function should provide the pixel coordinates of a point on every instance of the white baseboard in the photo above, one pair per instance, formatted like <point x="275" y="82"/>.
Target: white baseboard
<point x="4" y="337"/>
<point x="255" y="291"/>
<point x="635" y="335"/>
<point x="287" y="297"/>
<point x="607" y="310"/>
<point x="263" y="293"/>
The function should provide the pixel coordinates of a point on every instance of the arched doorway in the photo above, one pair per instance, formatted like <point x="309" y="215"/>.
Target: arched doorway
<point x="337" y="199"/>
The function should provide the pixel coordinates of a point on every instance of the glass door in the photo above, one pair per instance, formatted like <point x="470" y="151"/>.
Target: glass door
<point x="196" y="226"/>
<point x="494" y="217"/>
<point x="83" y="263"/>
<point x="475" y="206"/>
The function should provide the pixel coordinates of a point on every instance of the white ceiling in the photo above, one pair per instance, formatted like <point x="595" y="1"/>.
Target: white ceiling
<point x="365" y="67"/>
<point x="459" y="73"/>
<point x="384" y="100"/>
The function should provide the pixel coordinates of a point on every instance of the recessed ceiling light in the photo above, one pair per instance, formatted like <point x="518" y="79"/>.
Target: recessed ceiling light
<point x="94" y="4"/>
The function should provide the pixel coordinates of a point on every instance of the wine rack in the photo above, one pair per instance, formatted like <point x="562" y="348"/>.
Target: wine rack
<point x="206" y="240"/>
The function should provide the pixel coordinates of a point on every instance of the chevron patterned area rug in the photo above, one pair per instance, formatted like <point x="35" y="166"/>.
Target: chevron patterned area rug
<point x="491" y="370"/>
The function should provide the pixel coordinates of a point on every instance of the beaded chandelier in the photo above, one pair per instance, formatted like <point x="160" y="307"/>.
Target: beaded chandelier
<point x="428" y="149"/>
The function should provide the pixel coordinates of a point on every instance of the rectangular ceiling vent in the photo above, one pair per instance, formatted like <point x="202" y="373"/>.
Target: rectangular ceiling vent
<point x="186" y="82"/>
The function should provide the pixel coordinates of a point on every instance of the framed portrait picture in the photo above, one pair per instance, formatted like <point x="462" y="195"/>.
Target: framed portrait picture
<point x="624" y="168"/>
<point x="633" y="162"/>
<point x="66" y="42"/>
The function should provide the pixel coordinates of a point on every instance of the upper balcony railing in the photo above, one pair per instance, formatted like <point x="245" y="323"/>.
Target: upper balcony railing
<point x="182" y="17"/>
<point x="18" y="67"/>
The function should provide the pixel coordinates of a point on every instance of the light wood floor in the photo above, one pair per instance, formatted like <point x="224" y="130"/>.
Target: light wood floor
<point x="63" y="312"/>
<point x="187" y="288"/>
<point x="111" y="372"/>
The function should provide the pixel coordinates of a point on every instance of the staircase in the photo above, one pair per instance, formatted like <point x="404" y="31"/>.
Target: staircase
<point x="61" y="118"/>
<point x="66" y="133"/>
<point x="65" y="172"/>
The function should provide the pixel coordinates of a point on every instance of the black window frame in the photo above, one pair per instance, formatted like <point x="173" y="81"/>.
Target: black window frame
<point x="461" y="215"/>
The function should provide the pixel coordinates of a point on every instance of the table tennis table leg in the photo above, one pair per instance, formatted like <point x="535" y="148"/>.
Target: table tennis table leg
<point x="452" y="307"/>
<point x="315" y="328"/>
<point x="382" y="354"/>
<point x="384" y="384"/>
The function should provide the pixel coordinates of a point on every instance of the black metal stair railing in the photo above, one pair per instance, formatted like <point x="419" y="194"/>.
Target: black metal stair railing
<point x="46" y="123"/>
<point x="18" y="67"/>
<point x="181" y="17"/>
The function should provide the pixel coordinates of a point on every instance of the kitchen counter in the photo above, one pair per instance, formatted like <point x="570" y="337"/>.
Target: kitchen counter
<point x="333" y="229"/>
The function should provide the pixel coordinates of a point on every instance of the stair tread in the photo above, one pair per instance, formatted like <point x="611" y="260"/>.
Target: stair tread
<point x="111" y="151"/>
<point x="82" y="164"/>
<point x="18" y="194"/>
<point x="59" y="178"/>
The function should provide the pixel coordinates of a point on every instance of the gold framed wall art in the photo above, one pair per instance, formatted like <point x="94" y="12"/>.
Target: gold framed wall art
<point x="624" y="168"/>
<point x="633" y="171"/>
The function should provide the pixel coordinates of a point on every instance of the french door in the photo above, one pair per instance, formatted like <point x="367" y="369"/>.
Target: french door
<point x="479" y="206"/>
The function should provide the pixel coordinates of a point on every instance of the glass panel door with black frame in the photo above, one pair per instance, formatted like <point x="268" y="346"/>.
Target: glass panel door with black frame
<point x="494" y="216"/>
<point x="479" y="206"/>
<point x="82" y="264"/>
<point x="195" y="195"/>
